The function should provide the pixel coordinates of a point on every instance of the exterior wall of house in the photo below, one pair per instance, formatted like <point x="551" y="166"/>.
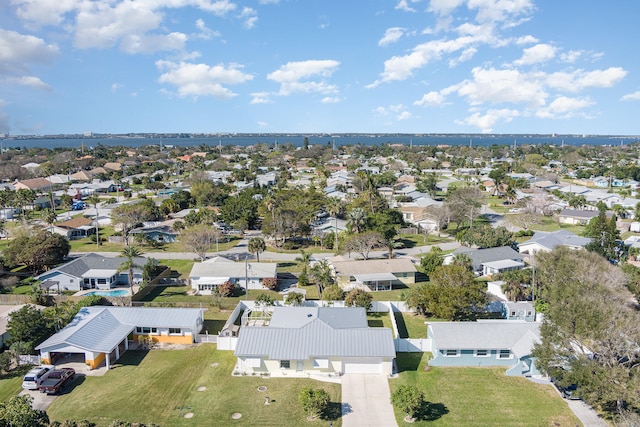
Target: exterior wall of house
<point x="518" y="314"/>
<point x="471" y="358"/>
<point x="303" y="367"/>
<point x="67" y="283"/>
<point x="408" y="278"/>
<point x="96" y="359"/>
<point x="165" y="335"/>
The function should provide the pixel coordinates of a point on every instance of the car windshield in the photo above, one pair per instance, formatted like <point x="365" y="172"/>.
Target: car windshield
<point x="28" y="378"/>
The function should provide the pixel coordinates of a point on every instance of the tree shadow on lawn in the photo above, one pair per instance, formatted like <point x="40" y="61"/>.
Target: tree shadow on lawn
<point x="332" y="412"/>
<point x="408" y="361"/>
<point x="431" y="411"/>
<point x="131" y="358"/>
<point x="402" y="327"/>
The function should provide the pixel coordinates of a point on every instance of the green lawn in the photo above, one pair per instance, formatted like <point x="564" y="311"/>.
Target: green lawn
<point x="11" y="383"/>
<point x="181" y="267"/>
<point x="411" y="325"/>
<point x="160" y="386"/>
<point x="479" y="397"/>
<point x="413" y="240"/>
<point x="550" y="224"/>
<point x="379" y="320"/>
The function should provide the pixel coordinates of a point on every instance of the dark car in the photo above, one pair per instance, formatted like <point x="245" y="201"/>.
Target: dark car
<point x="568" y="392"/>
<point x="56" y="380"/>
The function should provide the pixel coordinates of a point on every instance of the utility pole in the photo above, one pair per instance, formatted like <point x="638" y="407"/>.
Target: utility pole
<point x="246" y="278"/>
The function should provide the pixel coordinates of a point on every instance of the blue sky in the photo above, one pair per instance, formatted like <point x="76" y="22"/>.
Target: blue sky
<point x="415" y="66"/>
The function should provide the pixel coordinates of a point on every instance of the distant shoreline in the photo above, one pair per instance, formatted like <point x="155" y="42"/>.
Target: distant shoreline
<point x="299" y="139"/>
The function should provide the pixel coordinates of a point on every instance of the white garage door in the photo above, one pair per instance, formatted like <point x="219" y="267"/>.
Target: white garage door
<point x="361" y="366"/>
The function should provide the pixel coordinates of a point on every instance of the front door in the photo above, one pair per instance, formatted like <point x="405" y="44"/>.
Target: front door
<point x="300" y="365"/>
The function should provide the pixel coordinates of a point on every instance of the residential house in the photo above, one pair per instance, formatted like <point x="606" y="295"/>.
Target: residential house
<point x="207" y="275"/>
<point x="101" y="334"/>
<point x="576" y="217"/>
<point x="506" y="343"/>
<point x="304" y="341"/>
<point x="489" y="261"/>
<point x="161" y="233"/>
<point x="75" y="228"/>
<point x="519" y="310"/>
<point x="374" y="274"/>
<point x="91" y="271"/>
<point x="34" y="184"/>
<point x="546" y="241"/>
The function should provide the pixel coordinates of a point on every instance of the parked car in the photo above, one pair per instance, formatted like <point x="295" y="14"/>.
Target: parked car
<point x="35" y="377"/>
<point x="56" y="380"/>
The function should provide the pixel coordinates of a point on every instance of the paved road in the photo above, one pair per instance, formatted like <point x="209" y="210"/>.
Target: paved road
<point x="240" y="252"/>
<point x="366" y="401"/>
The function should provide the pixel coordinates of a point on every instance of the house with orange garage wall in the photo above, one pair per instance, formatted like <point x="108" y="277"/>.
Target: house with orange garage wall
<point x="102" y="334"/>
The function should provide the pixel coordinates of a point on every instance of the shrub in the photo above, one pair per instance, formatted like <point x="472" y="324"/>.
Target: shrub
<point x="290" y="245"/>
<point x="270" y="283"/>
<point x="227" y="289"/>
<point x="408" y="399"/>
<point x="314" y="401"/>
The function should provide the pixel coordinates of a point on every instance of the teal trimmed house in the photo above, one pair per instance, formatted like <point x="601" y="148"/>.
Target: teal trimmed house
<point x="506" y="343"/>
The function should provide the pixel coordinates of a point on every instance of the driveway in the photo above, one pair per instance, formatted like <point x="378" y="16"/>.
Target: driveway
<point x="586" y="414"/>
<point x="366" y="401"/>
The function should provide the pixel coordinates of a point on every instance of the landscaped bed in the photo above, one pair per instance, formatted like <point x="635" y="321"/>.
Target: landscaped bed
<point x="479" y="397"/>
<point x="161" y="386"/>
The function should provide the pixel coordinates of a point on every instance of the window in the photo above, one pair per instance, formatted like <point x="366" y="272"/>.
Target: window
<point x="285" y="364"/>
<point x="504" y="354"/>
<point x="175" y="331"/>
<point x="102" y="281"/>
<point x="513" y="313"/>
<point x="146" y="330"/>
<point x="320" y="363"/>
<point x="528" y="313"/>
<point x="482" y="353"/>
<point x="451" y="353"/>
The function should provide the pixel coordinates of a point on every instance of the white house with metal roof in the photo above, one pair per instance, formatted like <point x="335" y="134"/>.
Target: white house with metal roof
<point x="507" y="343"/>
<point x="374" y="274"/>
<point x="102" y="333"/>
<point x="207" y="275"/>
<point x="546" y="241"/>
<point x="91" y="271"/>
<point x="302" y="341"/>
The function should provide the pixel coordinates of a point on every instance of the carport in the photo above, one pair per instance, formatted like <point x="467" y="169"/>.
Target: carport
<point x="376" y="281"/>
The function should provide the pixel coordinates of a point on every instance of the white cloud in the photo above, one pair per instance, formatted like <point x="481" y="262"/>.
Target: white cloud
<point x="250" y="17"/>
<point x="404" y="5"/>
<point x="635" y="96"/>
<point x="500" y="10"/>
<point x="444" y="7"/>
<point x="115" y="87"/>
<point x="260" y="98"/>
<point x="205" y="32"/>
<point x="330" y="100"/>
<point x="579" y="79"/>
<point x="31" y="82"/>
<point x="528" y="39"/>
<point x="381" y="111"/>
<point x="430" y="99"/>
<point x="18" y="52"/>
<point x="305" y="76"/>
<point x="465" y="56"/>
<point x="144" y="43"/>
<point x="485" y="122"/>
<point x="536" y="54"/>
<point x="564" y="107"/>
<point x="571" y="56"/>
<point x="405" y="115"/>
<point x="194" y="80"/>
<point x="392" y="35"/>
<point x="263" y="124"/>
<point x="502" y="86"/>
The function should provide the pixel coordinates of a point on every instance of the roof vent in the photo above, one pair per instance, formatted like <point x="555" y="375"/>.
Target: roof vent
<point x="309" y="315"/>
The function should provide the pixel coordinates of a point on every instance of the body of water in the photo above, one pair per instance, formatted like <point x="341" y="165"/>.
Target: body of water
<point x="112" y="293"/>
<point x="337" y="141"/>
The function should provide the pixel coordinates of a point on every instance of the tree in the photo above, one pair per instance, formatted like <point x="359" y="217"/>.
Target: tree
<point x="335" y="207"/>
<point x="227" y="289"/>
<point x="589" y="329"/>
<point x="464" y="204"/>
<point x="256" y="245"/>
<point x="605" y="236"/>
<point x="452" y="294"/>
<point x="294" y="298"/>
<point x="49" y="217"/>
<point x="314" y="401"/>
<point x="408" y="399"/>
<point x="17" y="412"/>
<point x="321" y="275"/>
<point x="364" y="243"/>
<point x="358" y="298"/>
<point x="39" y="251"/>
<point x="28" y="325"/>
<point x="128" y="216"/>
<point x="200" y="239"/>
<point x="485" y="236"/>
<point x="431" y="260"/>
<point x="356" y="219"/>
<point x="129" y="264"/>
<point x="263" y="301"/>
<point x="333" y="293"/>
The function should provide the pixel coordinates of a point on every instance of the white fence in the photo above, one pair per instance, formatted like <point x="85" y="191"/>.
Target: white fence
<point x="28" y="359"/>
<point x="412" y="345"/>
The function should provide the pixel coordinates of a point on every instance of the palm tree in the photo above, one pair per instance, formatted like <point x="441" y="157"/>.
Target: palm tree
<point x="511" y="195"/>
<point x="357" y="218"/>
<point x="256" y="246"/>
<point x="130" y="253"/>
<point x="334" y="207"/>
<point x="94" y="199"/>
<point x="49" y="216"/>
<point x="392" y="243"/>
<point x="304" y="258"/>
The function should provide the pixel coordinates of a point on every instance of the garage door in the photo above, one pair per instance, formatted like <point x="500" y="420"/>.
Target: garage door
<point x="361" y="366"/>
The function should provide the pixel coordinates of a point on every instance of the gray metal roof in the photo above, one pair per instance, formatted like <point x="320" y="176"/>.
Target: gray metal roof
<point x="490" y="335"/>
<point x="552" y="239"/>
<point x="323" y="335"/>
<point x="100" y="328"/>
<point x="91" y="261"/>
<point x="482" y="256"/>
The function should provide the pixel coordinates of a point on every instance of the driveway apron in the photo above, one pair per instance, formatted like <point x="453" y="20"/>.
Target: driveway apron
<point x="366" y="401"/>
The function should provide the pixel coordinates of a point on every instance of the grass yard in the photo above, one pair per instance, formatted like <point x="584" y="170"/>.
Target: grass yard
<point x="379" y="320"/>
<point x="550" y="224"/>
<point x="411" y="325"/>
<point x="160" y="386"/>
<point x="479" y="397"/>
<point x="413" y="240"/>
<point x="181" y="267"/>
<point x="11" y="384"/>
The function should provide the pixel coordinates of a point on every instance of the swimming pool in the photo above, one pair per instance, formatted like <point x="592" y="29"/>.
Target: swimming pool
<point x="113" y="293"/>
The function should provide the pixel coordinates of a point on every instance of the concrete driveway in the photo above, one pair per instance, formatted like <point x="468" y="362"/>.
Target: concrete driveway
<point x="366" y="401"/>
